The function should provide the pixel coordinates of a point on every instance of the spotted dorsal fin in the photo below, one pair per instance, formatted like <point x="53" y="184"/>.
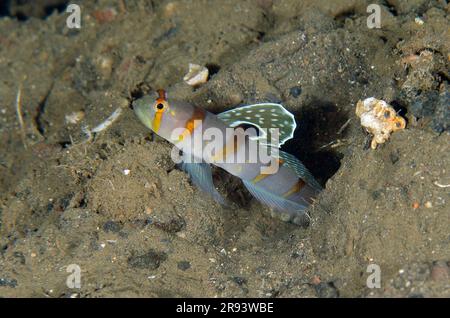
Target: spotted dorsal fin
<point x="265" y="117"/>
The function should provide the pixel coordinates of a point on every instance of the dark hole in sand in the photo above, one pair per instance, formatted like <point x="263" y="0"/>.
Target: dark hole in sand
<point x="139" y="91"/>
<point x="212" y="69"/>
<point x="384" y="39"/>
<point x="59" y="7"/>
<point x="348" y="14"/>
<point x="22" y="10"/>
<point x="261" y="35"/>
<point x="4" y="8"/>
<point x="318" y="124"/>
<point x="392" y="9"/>
<point x="399" y="107"/>
<point x="21" y="16"/>
<point x="442" y="77"/>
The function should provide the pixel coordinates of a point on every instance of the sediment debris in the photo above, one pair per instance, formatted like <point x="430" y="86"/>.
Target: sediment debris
<point x="379" y="118"/>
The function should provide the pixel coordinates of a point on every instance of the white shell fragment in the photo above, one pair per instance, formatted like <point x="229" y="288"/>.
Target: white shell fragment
<point x="102" y="126"/>
<point x="197" y="75"/>
<point x="74" y="117"/>
<point x="108" y="122"/>
<point x="419" y="21"/>
<point x="379" y="118"/>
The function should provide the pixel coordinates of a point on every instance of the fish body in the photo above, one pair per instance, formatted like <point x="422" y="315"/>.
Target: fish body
<point x="274" y="177"/>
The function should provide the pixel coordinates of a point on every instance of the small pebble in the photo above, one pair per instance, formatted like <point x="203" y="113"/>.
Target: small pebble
<point x="105" y="64"/>
<point x="184" y="265"/>
<point x="418" y="21"/>
<point x="123" y="102"/>
<point x="326" y="290"/>
<point x="316" y="280"/>
<point x="440" y="272"/>
<point x="240" y="280"/>
<point x="8" y="282"/>
<point x="112" y="226"/>
<point x="181" y="234"/>
<point x="265" y="4"/>
<point x="74" y="117"/>
<point x="197" y="75"/>
<point x="105" y="15"/>
<point x="235" y="98"/>
<point x="295" y="91"/>
<point x="169" y="9"/>
<point x="150" y="260"/>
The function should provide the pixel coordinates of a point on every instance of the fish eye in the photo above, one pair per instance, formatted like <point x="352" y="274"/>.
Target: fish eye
<point x="160" y="106"/>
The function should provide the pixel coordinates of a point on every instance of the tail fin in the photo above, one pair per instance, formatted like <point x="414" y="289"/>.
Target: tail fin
<point x="287" y="210"/>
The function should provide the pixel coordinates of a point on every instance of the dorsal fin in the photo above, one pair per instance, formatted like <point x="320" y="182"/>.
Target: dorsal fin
<point x="264" y="116"/>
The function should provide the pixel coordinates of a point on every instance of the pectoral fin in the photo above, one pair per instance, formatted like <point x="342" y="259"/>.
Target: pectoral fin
<point x="201" y="176"/>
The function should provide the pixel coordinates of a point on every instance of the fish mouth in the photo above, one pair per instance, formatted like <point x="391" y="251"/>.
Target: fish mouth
<point x="143" y="112"/>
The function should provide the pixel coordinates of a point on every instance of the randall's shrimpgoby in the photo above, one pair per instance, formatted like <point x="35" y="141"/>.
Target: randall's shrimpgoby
<point x="274" y="177"/>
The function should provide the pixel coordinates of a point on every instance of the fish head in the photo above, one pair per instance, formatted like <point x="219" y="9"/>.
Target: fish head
<point x="145" y="110"/>
<point x="162" y="115"/>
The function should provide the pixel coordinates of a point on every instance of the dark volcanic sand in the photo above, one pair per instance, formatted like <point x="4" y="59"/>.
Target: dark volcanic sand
<point x="151" y="233"/>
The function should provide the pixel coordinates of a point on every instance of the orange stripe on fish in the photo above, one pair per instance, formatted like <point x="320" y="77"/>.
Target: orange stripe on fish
<point x="295" y="188"/>
<point x="193" y="122"/>
<point x="226" y="150"/>
<point x="260" y="177"/>
<point x="263" y="175"/>
<point x="157" y="120"/>
<point x="160" y="108"/>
